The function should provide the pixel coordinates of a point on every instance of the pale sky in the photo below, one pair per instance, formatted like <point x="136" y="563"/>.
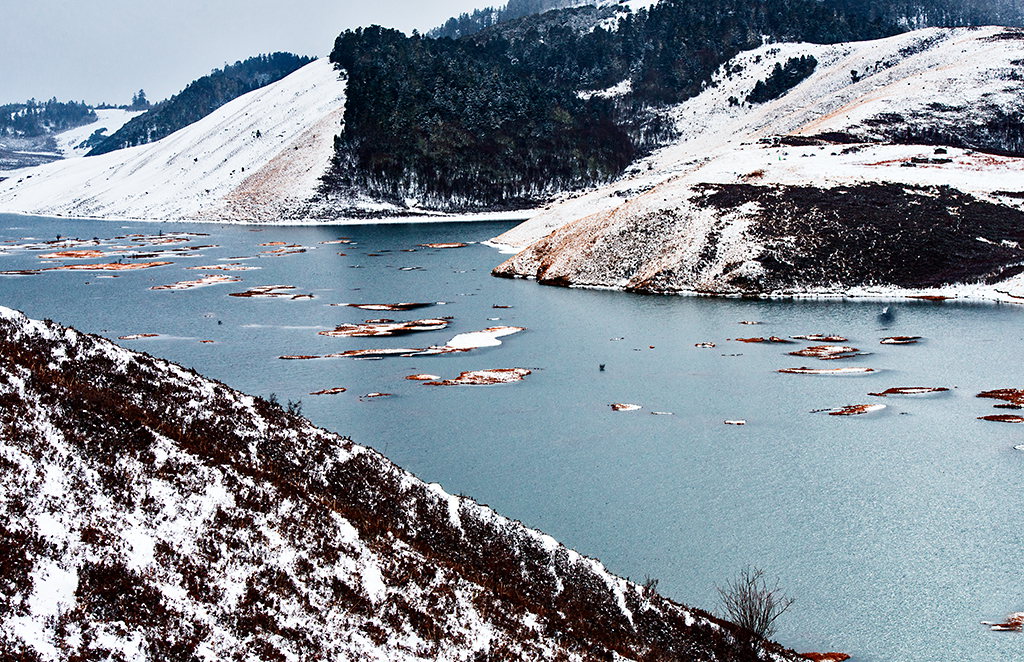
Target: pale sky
<point x="105" y="50"/>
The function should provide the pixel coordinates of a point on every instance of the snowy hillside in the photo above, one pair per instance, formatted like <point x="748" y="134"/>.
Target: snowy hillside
<point x="258" y="158"/>
<point x="841" y="127"/>
<point x="72" y="143"/>
<point x="150" y="514"/>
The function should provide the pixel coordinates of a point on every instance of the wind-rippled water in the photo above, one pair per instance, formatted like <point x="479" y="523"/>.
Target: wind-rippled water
<point x="897" y="532"/>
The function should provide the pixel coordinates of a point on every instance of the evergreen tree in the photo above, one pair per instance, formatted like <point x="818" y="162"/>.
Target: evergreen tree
<point x="139" y="101"/>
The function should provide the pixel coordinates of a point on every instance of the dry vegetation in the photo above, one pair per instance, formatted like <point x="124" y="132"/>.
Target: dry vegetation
<point x="268" y="538"/>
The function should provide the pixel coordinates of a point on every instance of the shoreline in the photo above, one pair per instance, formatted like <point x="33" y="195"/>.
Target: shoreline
<point x="952" y="294"/>
<point x="483" y="217"/>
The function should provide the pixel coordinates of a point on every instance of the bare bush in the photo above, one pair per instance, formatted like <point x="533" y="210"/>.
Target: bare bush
<point x="754" y="605"/>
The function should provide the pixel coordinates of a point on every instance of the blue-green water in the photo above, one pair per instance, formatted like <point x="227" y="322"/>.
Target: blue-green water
<point x="896" y="532"/>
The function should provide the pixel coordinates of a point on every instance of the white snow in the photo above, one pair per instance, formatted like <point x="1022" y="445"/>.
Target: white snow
<point x="477" y="339"/>
<point x="633" y="5"/>
<point x="177" y="505"/>
<point x="214" y="169"/>
<point x="69" y="143"/>
<point x="619" y="89"/>
<point x="718" y="140"/>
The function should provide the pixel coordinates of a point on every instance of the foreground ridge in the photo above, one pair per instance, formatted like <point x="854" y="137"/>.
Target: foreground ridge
<point x="149" y="513"/>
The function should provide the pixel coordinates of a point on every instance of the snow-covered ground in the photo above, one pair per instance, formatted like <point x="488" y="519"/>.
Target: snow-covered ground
<point x="652" y="231"/>
<point x="147" y="513"/>
<point x="70" y="143"/>
<point x="259" y="157"/>
<point x="905" y="74"/>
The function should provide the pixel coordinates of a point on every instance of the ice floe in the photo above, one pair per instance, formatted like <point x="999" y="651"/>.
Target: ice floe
<point x="1003" y="418"/>
<point x="476" y="339"/>
<point x="854" y="410"/>
<point x="901" y="340"/>
<point x="1013" y="623"/>
<point x="827" y="371"/>
<point x="910" y="390"/>
<point x="330" y="391"/>
<point x="209" y="279"/>
<point x="271" y="292"/>
<point x="72" y="255"/>
<point x="1012" y="396"/>
<point x="484" y="377"/>
<point x="827" y="352"/>
<point x="388" y="307"/>
<point x="463" y="342"/>
<point x="111" y="266"/>
<point x="233" y="266"/>
<point x="385" y="328"/>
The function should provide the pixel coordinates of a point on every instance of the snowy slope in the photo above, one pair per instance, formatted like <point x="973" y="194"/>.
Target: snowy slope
<point x="69" y="143"/>
<point x="147" y="513"/>
<point x="708" y="213"/>
<point x="258" y="157"/>
<point x="970" y="68"/>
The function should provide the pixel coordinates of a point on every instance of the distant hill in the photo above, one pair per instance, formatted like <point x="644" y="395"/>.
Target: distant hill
<point x="889" y="167"/>
<point x="517" y="115"/>
<point x="201" y="98"/>
<point x="40" y="118"/>
<point x="258" y="157"/>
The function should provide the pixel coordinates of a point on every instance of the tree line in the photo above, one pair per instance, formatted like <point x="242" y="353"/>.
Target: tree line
<point x="39" y="118"/>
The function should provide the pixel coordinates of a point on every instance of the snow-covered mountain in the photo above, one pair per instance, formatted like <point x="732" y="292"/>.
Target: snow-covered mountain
<point x="822" y="190"/>
<point x="257" y="158"/>
<point x="147" y="513"/>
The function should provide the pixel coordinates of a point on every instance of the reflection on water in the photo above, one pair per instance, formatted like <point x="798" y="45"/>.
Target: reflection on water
<point x="897" y="530"/>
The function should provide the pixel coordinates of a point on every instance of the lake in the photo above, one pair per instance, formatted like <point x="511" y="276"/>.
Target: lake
<point x="897" y="532"/>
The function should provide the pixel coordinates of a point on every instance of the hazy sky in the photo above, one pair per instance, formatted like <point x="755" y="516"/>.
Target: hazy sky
<point x="105" y="50"/>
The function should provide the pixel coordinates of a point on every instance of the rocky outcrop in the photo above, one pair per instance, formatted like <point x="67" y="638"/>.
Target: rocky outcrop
<point x="777" y="239"/>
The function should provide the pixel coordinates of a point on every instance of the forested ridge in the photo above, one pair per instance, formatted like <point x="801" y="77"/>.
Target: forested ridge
<point x="496" y="119"/>
<point x="39" y="118"/>
<point x="456" y="122"/>
<point x="480" y="19"/>
<point x="200" y="98"/>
